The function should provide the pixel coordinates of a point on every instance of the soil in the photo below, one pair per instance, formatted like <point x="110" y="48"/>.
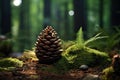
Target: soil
<point x="31" y="71"/>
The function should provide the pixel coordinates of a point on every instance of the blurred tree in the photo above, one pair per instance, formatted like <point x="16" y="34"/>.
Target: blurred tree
<point x="15" y="21"/>
<point x="101" y="12"/>
<point x="66" y="26"/>
<point x="115" y="12"/>
<point x="24" y="29"/>
<point x="98" y="16"/>
<point x="92" y="17"/>
<point x="36" y="18"/>
<point x="106" y="15"/>
<point x="61" y="20"/>
<point x="47" y="12"/>
<point x="57" y="17"/>
<point x="5" y="23"/>
<point x="0" y="16"/>
<point x="71" y="20"/>
<point x="80" y="14"/>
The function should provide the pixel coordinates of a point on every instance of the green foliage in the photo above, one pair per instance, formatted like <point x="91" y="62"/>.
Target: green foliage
<point x="10" y="63"/>
<point x="79" y="53"/>
<point x="113" y="40"/>
<point x="108" y="44"/>
<point x="80" y="39"/>
<point x="81" y="43"/>
<point x="96" y="37"/>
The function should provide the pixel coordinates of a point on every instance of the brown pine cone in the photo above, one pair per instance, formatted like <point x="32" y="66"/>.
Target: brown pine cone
<point x="48" y="46"/>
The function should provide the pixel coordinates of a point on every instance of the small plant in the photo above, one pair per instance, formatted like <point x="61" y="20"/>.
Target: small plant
<point x="82" y="44"/>
<point x="79" y="53"/>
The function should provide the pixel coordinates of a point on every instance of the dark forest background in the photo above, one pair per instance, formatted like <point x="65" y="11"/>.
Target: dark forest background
<point x="23" y="20"/>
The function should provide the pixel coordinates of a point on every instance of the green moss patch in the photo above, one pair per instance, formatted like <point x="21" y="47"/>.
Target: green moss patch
<point x="10" y="63"/>
<point x="28" y="54"/>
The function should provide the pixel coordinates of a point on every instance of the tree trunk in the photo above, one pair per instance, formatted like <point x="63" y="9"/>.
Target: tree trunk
<point x="0" y="15"/>
<point x="47" y="12"/>
<point x="66" y="27"/>
<point x="5" y="17"/>
<point x="80" y="15"/>
<point x="101" y="13"/>
<point x="115" y="14"/>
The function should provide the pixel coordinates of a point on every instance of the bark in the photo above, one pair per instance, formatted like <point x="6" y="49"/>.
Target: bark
<point x="5" y="17"/>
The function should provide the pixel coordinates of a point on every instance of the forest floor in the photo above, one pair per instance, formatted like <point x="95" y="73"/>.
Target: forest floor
<point x="31" y="71"/>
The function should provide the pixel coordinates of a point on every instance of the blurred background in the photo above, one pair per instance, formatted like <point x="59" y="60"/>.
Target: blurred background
<point x="22" y="20"/>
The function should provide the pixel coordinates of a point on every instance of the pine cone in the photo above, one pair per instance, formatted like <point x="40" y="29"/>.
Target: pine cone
<point x="48" y="46"/>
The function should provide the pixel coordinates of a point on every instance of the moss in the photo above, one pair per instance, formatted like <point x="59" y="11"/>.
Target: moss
<point x="97" y="52"/>
<point x="79" y="53"/>
<point x="7" y="68"/>
<point x="28" y="54"/>
<point x="49" y="69"/>
<point x="34" y="77"/>
<point x="66" y="44"/>
<point x="109" y="74"/>
<point x="62" y="65"/>
<point x="77" y="56"/>
<point x="10" y="63"/>
<point x="59" y="67"/>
